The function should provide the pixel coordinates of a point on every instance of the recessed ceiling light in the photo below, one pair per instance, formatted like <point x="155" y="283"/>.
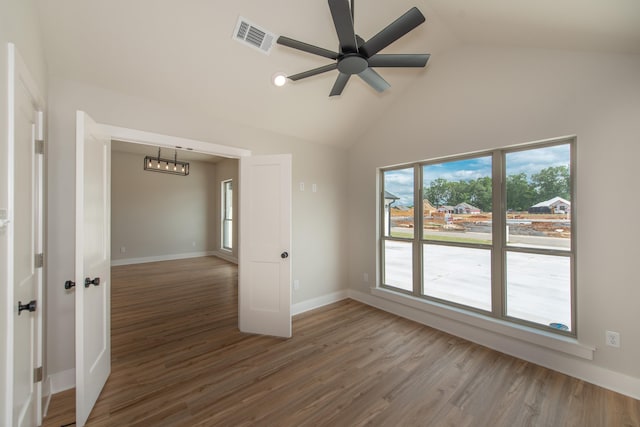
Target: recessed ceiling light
<point x="279" y="79"/>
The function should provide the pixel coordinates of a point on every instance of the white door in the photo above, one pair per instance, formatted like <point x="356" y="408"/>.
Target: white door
<point x="25" y="237"/>
<point x="93" y="259"/>
<point x="265" y="245"/>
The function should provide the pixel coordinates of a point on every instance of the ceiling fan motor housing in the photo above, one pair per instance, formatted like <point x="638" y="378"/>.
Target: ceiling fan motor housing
<point x="352" y="63"/>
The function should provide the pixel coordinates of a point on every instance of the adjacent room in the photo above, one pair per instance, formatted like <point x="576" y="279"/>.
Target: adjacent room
<point x="330" y="212"/>
<point x="160" y="214"/>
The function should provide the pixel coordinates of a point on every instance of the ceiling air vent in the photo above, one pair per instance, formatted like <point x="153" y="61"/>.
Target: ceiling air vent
<point x="253" y="36"/>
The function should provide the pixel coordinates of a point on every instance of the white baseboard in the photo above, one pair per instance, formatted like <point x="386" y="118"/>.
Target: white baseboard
<point x="62" y="381"/>
<point x="318" y="302"/>
<point x="46" y="395"/>
<point x="554" y="360"/>
<point x="171" y="257"/>
<point x="227" y="256"/>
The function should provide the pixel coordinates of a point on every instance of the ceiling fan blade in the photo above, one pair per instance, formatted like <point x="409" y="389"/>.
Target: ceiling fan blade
<point x="393" y="32"/>
<point x="375" y="80"/>
<point x="313" y="72"/>
<point x="340" y="83"/>
<point x="343" y="22"/>
<point x="305" y="47"/>
<point x="406" y="60"/>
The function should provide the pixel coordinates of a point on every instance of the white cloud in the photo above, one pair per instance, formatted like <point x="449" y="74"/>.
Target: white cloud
<point x="400" y="183"/>
<point x="533" y="161"/>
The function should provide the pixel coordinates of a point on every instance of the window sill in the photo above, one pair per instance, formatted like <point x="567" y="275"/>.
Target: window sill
<point x="529" y="335"/>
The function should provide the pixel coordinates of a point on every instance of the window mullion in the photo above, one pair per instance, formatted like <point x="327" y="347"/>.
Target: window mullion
<point x="498" y="186"/>
<point x="418" y="217"/>
<point x="572" y="185"/>
<point x="381" y="231"/>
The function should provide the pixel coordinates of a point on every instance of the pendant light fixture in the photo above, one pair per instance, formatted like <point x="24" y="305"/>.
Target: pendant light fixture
<point x="158" y="164"/>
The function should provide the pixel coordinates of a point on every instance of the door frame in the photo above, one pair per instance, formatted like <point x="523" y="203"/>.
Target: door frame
<point x="159" y="140"/>
<point x="18" y="71"/>
<point x="165" y="141"/>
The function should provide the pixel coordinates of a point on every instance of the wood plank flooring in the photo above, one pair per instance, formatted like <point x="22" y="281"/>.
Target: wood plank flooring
<point x="178" y="359"/>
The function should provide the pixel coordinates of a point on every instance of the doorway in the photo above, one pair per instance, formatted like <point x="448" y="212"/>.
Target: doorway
<point x="266" y="182"/>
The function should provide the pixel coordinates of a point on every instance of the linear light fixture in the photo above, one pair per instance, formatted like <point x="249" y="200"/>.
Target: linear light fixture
<point x="158" y="164"/>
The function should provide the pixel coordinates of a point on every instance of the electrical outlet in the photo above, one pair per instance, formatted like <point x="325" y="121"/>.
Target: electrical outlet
<point x="193" y="244"/>
<point x="302" y="186"/>
<point x="612" y="338"/>
<point x="123" y="249"/>
<point x="296" y="285"/>
<point x="365" y="277"/>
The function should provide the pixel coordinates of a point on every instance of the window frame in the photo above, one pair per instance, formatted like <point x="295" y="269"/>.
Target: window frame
<point x="384" y="238"/>
<point x="226" y="187"/>
<point x="498" y="246"/>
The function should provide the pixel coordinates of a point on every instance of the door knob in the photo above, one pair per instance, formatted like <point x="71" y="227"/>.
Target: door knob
<point x="31" y="306"/>
<point x="69" y="284"/>
<point x="88" y="281"/>
<point x="284" y="255"/>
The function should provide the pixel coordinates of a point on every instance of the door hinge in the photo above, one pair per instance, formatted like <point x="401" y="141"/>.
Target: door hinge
<point x="39" y="146"/>
<point x="37" y="374"/>
<point x="39" y="260"/>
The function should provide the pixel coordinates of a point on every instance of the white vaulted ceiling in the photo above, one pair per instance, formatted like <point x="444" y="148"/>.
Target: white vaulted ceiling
<point x="182" y="52"/>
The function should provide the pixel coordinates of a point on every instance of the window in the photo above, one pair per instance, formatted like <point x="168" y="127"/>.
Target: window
<point x="456" y="231"/>
<point x="495" y="233"/>
<point x="398" y="228"/>
<point x="227" y="214"/>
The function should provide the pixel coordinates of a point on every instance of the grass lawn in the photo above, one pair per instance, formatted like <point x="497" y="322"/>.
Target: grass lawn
<point x="438" y="238"/>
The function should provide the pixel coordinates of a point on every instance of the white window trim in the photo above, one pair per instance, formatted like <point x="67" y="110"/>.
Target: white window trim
<point x="517" y="331"/>
<point x="223" y="211"/>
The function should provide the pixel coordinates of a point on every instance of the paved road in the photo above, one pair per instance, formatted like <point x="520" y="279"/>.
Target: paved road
<point x="538" y="286"/>
<point x="514" y="239"/>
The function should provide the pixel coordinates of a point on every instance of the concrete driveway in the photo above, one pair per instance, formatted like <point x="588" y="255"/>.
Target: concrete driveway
<point x="538" y="286"/>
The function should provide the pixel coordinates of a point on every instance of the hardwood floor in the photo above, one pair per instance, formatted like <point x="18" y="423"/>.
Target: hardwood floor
<point x="179" y="360"/>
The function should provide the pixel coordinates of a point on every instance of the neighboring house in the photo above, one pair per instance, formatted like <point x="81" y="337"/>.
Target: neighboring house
<point x="466" y="208"/>
<point x="446" y="209"/>
<point x="389" y="199"/>
<point x="428" y="208"/>
<point x="555" y="205"/>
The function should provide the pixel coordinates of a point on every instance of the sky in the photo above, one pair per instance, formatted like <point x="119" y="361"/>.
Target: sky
<point x="400" y="181"/>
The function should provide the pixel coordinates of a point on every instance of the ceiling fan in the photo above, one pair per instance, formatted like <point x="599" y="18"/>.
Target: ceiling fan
<point x="357" y="56"/>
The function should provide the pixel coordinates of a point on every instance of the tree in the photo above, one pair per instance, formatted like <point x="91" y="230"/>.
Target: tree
<point x="521" y="193"/>
<point x="475" y="192"/>
<point x="438" y="192"/>
<point x="551" y="182"/>
<point x="479" y="193"/>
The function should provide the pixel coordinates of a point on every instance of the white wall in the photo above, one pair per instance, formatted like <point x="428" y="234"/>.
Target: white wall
<point x="319" y="254"/>
<point x="480" y="98"/>
<point x="227" y="169"/>
<point x="157" y="215"/>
